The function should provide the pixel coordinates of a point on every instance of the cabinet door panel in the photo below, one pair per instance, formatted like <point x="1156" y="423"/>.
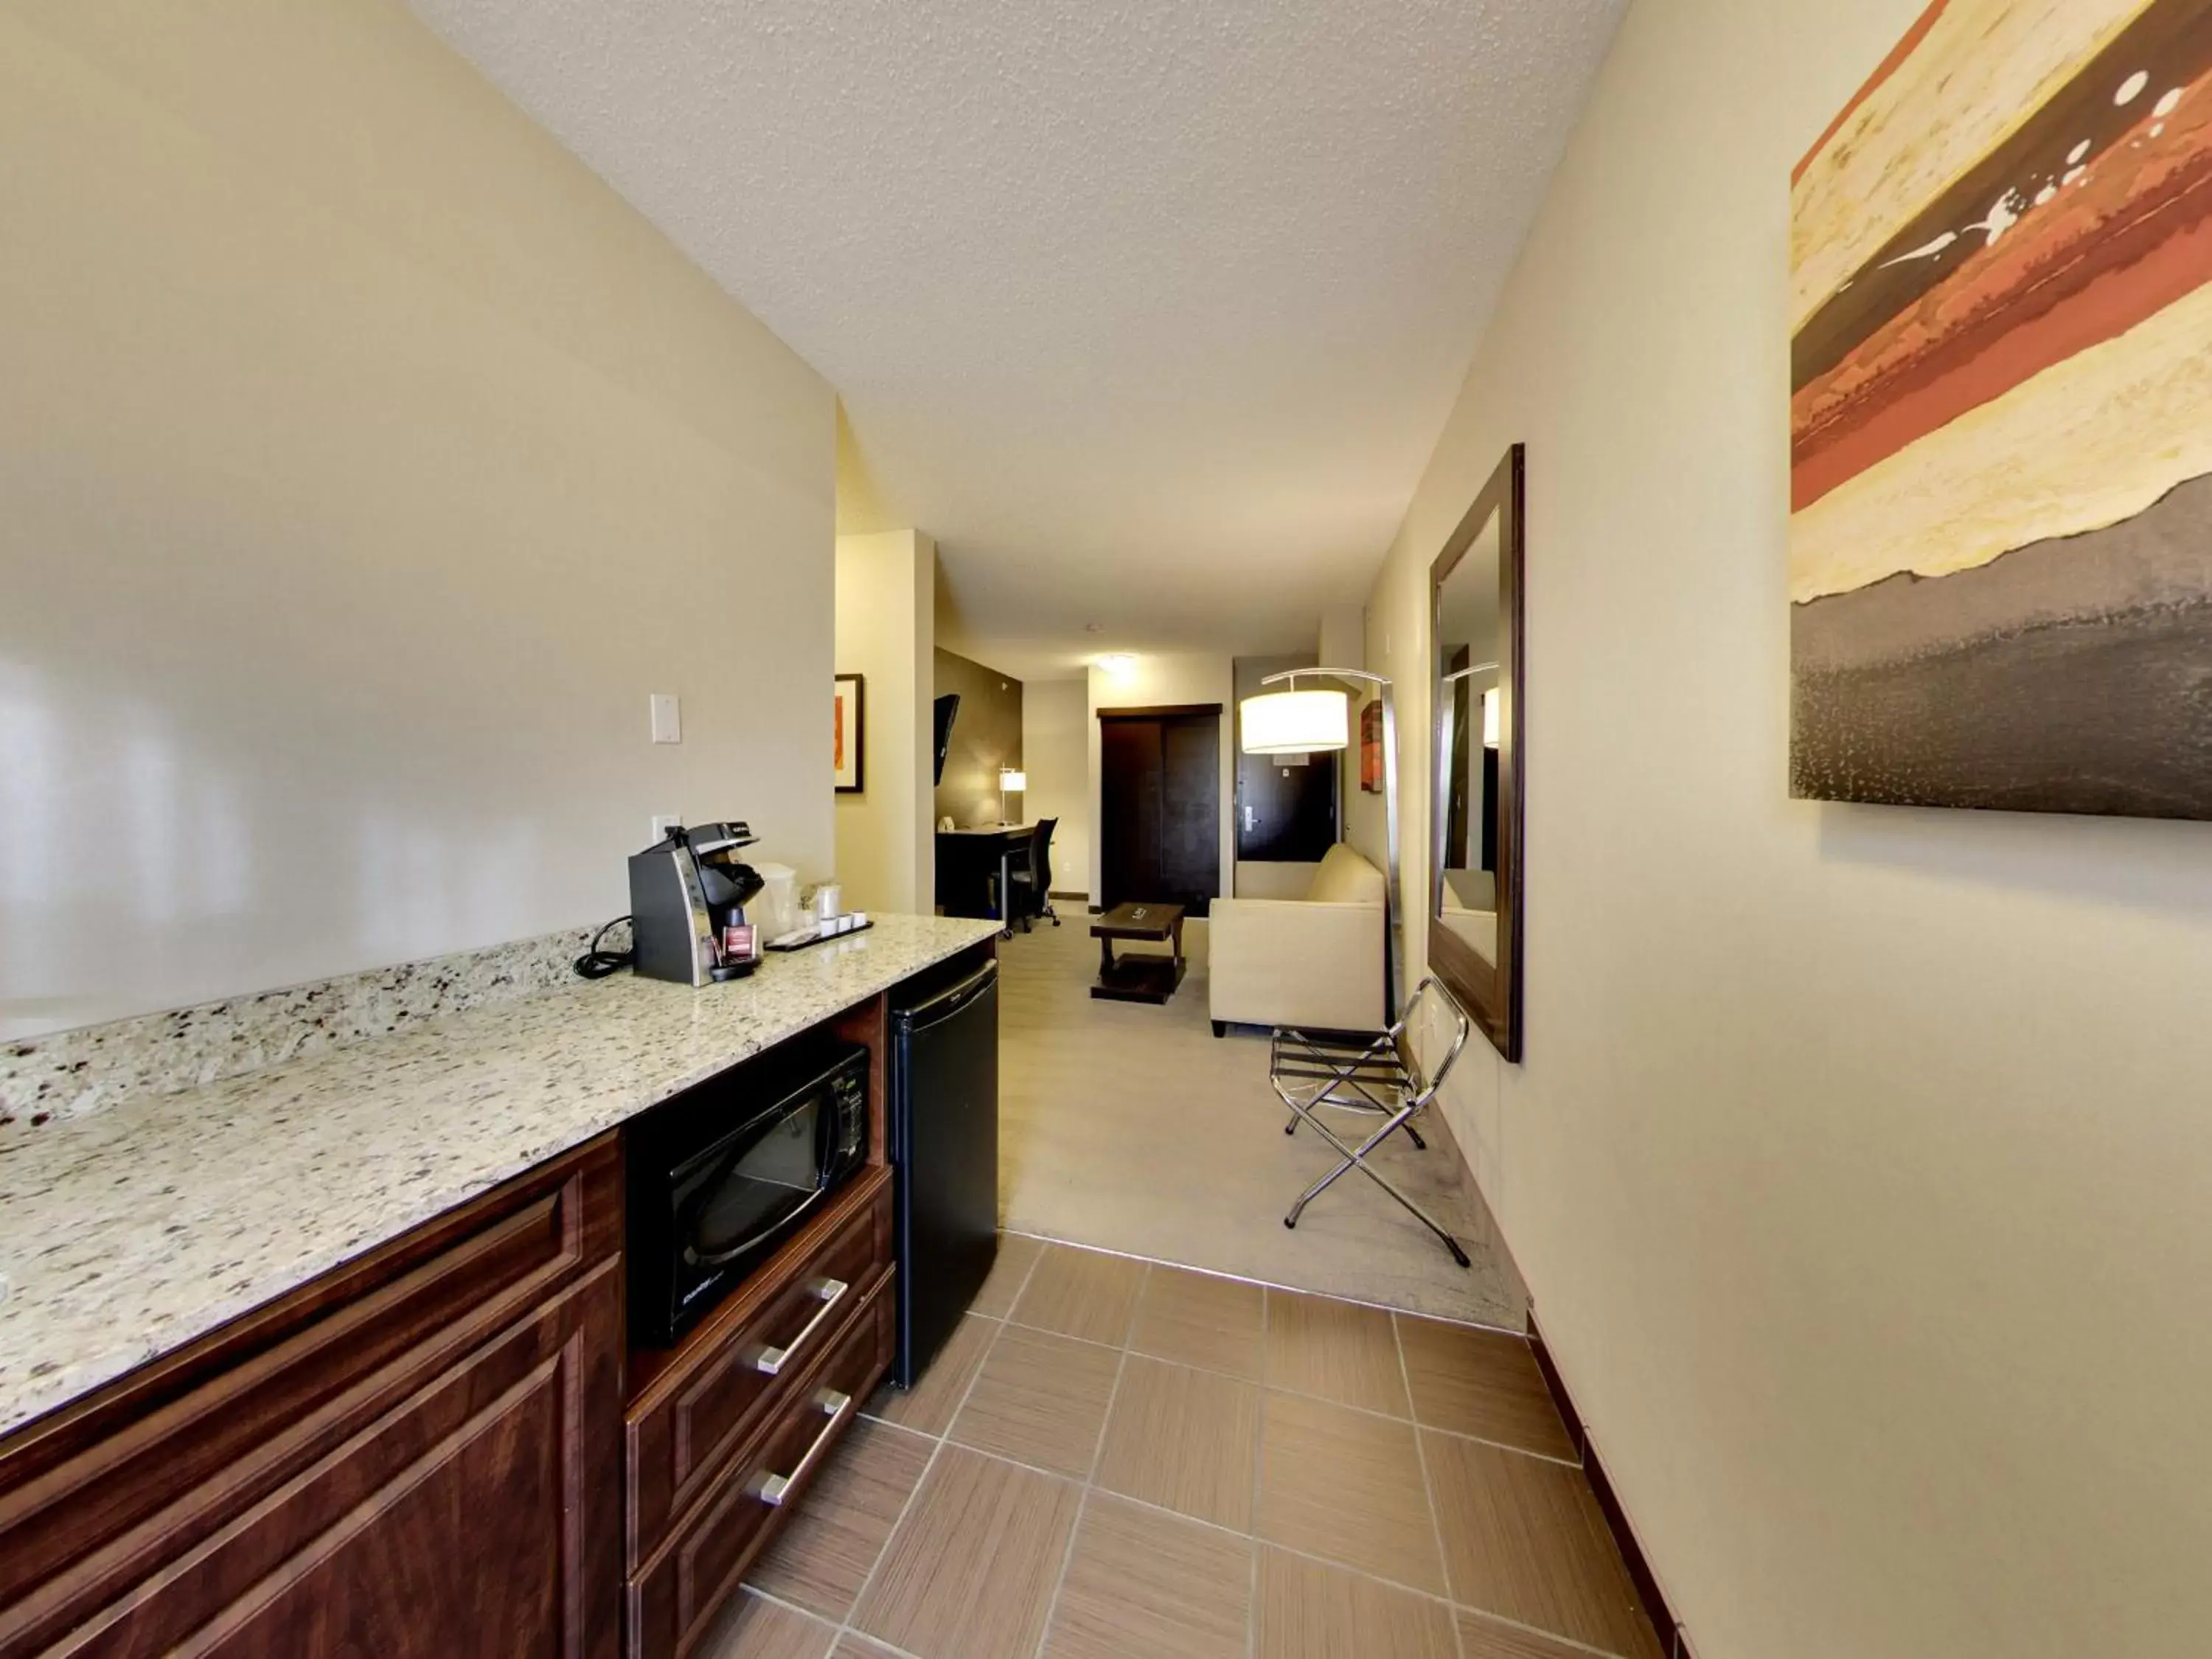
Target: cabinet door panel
<point x="480" y="1515"/>
<point x="95" y="1500"/>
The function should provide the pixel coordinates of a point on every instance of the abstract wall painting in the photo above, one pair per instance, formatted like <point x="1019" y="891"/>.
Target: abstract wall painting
<point x="848" y="734"/>
<point x="2001" y="469"/>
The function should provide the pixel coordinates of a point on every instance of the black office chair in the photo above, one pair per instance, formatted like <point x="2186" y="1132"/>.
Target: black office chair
<point x="1031" y="879"/>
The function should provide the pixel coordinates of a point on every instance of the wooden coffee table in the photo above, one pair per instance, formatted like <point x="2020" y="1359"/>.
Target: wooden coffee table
<point x="1142" y="978"/>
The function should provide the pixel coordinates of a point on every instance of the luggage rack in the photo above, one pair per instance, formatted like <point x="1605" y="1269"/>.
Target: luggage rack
<point x="1313" y="1071"/>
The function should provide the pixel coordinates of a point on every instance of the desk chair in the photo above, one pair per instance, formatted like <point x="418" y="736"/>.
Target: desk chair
<point x="1312" y="1074"/>
<point x="1029" y="880"/>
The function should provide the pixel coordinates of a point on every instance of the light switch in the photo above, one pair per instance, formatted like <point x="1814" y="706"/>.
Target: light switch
<point x="662" y="824"/>
<point x="667" y="719"/>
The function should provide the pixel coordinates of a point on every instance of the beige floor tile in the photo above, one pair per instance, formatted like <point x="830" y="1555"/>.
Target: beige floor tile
<point x="970" y="1571"/>
<point x="1195" y="1319"/>
<point x="1485" y="1383"/>
<point x="1310" y="1610"/>
<point x="1339" y="1351"/>
<point x="821" y="1558"/>
<point x="1040" y="1400"/>
<point x="1018" y="1254"/>
<point x="753" y="1629"/>
<point x="1523" y="1539"/>
<point x="1140" y="1583"/>
<point x="850" y="1646"/>
<point x="1183" y="1439"/>
<point x="1484" y="1637"/>
<point x="929" y="1407"/>
<point x="1081" y="1293"/>
<point x="1348" y="1486"/>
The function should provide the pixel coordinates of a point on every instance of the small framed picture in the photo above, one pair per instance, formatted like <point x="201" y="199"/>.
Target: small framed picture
<point x="1370" y="748"/>
<point x="848" y="708"/>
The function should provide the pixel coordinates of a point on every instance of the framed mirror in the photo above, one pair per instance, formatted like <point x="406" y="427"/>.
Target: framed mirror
<point x="1474" y="840"/>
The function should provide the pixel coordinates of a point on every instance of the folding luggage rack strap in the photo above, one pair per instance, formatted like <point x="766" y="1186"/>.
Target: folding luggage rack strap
<point x="1359" y="1074"/>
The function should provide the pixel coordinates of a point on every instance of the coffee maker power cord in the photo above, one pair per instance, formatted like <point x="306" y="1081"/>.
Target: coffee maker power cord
<point x="596" y="963"/>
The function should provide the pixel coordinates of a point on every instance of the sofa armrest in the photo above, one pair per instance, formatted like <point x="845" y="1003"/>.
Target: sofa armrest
<point x="1292" y="962"/>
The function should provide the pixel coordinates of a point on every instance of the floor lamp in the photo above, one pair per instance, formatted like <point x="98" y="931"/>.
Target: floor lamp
<point x="1295" y="722"/>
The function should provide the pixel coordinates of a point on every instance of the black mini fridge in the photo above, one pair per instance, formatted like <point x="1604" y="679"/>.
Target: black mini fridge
<point x="944" y="1155"/>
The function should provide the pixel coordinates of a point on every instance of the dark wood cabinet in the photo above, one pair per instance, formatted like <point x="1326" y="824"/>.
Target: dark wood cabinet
<point x="417" y="1456"/>
<point x="674" y="1601"/>
<point x="695" y="1409"/>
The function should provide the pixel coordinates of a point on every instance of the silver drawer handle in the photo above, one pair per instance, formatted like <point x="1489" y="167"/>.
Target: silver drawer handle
<point x="777" y="1487"/>
<point x="832" y="1291"/>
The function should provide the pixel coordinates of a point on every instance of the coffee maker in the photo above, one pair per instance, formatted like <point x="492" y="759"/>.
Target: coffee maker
<point x="683" y="890"/>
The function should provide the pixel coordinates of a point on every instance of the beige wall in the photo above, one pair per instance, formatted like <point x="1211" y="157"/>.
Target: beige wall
<point x="886" y="632"/>
<point x="1859" y="1161"/>
<point x="1161" y="680"/>
<point x="367" y="465"/>
<point x="1056" y="723"/>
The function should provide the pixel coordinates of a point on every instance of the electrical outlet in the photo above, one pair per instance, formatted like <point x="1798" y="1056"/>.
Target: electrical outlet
<point x="662" y="824"/>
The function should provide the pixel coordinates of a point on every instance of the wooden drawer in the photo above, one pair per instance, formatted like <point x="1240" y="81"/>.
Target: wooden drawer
<point x="209" y="1490"/>
<point x="673" y="1602"/>
<point x="718" y="1389"/>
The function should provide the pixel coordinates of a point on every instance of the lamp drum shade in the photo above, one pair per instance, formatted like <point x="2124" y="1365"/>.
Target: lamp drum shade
<point x="1013" y="778"/>
<point x="1296" y="722"/>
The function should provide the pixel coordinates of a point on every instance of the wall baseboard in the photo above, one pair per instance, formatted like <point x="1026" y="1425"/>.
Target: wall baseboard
<point x="1608" y="1501"/>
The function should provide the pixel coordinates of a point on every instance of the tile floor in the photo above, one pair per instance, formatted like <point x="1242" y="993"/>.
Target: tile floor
<point x="1118" y="1461"/>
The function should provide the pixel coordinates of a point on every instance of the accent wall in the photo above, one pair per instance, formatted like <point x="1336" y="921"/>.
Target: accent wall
<point x="987" y="736"/>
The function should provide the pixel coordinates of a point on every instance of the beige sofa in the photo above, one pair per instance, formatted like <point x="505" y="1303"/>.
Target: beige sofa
<point x="1315" y="962"/>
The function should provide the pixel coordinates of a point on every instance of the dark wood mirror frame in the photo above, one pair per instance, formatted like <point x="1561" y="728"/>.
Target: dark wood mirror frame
<point x="1489" y="993"/>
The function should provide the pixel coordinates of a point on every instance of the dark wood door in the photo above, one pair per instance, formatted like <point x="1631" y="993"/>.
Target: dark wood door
<point x="1133" y="776"/>
<point x="1160" y="790"/>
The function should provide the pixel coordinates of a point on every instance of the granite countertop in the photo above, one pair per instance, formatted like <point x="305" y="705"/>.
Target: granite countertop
<point x="126" y="1233"/>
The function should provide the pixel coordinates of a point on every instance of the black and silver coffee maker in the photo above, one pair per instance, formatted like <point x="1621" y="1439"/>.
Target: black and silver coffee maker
<point x="683" y="890"/>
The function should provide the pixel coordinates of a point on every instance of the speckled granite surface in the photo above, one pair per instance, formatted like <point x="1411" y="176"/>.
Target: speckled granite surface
<point x="44" y="1079"/>
<point x="126" y="1232"/>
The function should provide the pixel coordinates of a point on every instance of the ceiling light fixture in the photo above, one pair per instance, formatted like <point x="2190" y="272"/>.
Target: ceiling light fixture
<point x="1120" y="664"/>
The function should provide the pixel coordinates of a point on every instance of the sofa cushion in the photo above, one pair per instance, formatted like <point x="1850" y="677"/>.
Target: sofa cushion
<point x="1346" y="878"/>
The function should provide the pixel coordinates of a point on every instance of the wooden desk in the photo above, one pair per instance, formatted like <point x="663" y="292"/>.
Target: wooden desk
<point x="1138" y="979"/>
<point x="971" y="863"/>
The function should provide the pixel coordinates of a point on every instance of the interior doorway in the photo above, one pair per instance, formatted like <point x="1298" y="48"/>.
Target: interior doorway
<point x="1160" y="805"/>
<point x="1286" y="804"/>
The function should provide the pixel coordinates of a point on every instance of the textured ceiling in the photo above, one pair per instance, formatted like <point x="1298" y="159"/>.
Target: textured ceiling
<point x="1149" y="311"/>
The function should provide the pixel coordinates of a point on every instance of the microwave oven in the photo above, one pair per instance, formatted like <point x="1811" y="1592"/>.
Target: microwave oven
<point x="726" y="1171"/>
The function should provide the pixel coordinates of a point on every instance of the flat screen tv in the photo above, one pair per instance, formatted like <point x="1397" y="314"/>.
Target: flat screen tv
<point x="947" y="707"/>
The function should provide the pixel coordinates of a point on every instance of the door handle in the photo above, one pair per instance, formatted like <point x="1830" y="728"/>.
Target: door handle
<point x="1251" y="819"/>
<point x="776" y="1491"/>
<point x="832" y="1291"/>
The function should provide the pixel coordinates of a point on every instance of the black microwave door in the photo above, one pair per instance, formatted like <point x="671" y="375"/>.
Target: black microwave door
<point x="739" y="1195"/>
